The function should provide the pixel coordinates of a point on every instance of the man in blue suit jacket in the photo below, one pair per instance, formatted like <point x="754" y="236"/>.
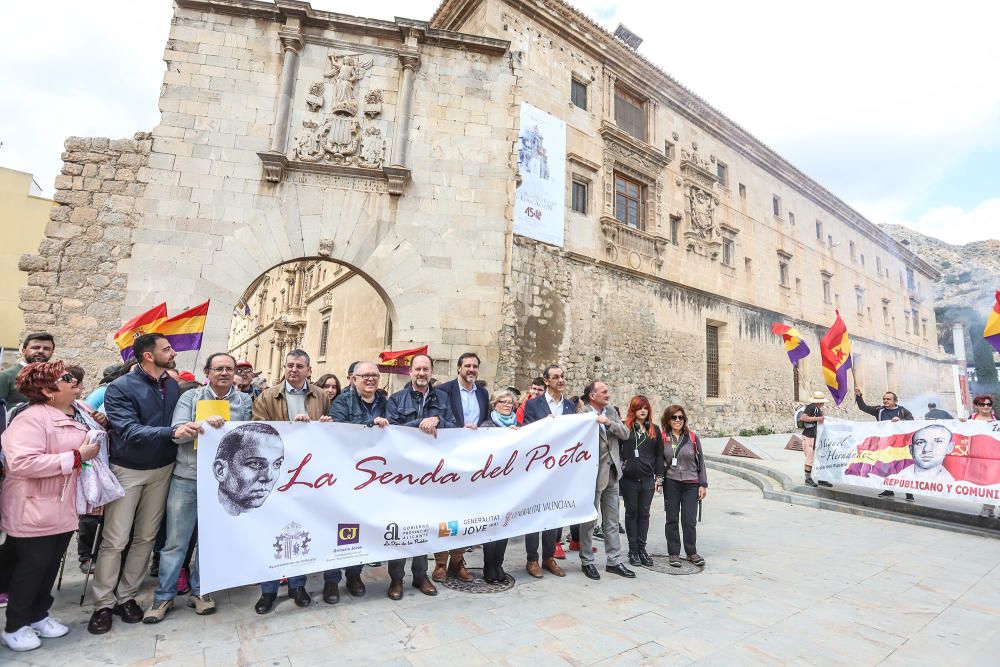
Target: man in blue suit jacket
<point x="470" y="407"/>
<point x="550" y="404"/>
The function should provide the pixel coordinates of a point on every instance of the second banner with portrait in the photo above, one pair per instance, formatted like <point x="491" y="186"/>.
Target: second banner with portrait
<point x="282" y="499"/>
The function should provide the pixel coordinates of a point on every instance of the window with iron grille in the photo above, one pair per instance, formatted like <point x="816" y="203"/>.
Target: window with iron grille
<point x="628" y="202"/>
<point x="324" y="334"/>
<point x="630" y="113"/>
<point x="578" y="93"/>
<point x="711" y="361"/>
<point x="580" y="197"/>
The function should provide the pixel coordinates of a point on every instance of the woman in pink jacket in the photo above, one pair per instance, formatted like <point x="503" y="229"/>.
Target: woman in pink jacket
<point x="43" y="448"/>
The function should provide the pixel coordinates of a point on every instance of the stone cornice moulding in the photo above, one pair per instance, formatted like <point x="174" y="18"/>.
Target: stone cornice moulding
<point x="611" y="133"/>
<point x="276" y="165"/>
<point x="583" y="162"/>
<point x="281" y="10"/>
<point x="584" y="33"/>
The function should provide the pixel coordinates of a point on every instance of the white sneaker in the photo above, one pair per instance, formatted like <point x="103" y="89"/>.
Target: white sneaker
<point x="24" y="639"/>
<point x="986" y="512"/>
<point x="49" y="628"/>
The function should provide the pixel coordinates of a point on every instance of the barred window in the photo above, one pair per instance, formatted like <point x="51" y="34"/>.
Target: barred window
<point x="711" y="361"/>
<point x="630" y="113"/>
<point x="324" y="334"/>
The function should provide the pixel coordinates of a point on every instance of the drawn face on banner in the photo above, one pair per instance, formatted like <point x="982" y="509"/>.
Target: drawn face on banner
<point x="247" y="466"/>
<point x="930" y="445"/>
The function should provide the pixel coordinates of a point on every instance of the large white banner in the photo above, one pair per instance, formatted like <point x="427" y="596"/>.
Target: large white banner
<point x="277" y="499"/>
<point x="540" y="201"/>
<point x="944" y="459"/>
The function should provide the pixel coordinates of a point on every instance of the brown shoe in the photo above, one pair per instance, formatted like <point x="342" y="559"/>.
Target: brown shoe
<point x="440" y="567"/>
<point x="534" y="569"/>
<point x="552" y="566"/>
<point x="425" y="586"/>
<point x="395" y="589"/>
<point x="457" y="568"/>
<point x="331" y="592"/>
<point x="129" y="610"/>
<point x="100" y="621"/>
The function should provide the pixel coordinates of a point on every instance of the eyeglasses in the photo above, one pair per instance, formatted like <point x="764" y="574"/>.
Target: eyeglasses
<point x="678" y="418"/>
<point x="221" y="369"/>
<point x="505" y="402"/>
<point x="292" y="367"/>
<point x="985" y="404"/>
<point x="67" y="377"/>
<point x="368" y="376"/>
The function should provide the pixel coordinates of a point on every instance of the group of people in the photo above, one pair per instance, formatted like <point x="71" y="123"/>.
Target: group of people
<point x="143" y="420"/>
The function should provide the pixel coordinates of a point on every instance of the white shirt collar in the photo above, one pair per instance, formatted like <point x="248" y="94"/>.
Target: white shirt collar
<point x="289" y="389"/>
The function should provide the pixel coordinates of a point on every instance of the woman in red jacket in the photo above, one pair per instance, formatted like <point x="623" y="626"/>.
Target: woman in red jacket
<point x="44" y="448"/>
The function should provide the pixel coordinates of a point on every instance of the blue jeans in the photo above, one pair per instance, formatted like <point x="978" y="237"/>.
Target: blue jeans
<point x="181" y="516"/>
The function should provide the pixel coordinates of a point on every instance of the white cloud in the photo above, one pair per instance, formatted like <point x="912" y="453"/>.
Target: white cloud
<point x="958" y="226"/>
<point x="876" y="101"/>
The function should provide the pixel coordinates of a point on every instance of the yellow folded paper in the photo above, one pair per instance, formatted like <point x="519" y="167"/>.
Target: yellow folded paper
<point x="205" y="409"/>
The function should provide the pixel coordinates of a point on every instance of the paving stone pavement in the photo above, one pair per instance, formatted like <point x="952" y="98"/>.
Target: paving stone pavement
<point x="784" y="584"/>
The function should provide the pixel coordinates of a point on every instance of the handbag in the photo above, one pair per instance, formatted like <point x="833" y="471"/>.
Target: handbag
<point x="97" y="485"/>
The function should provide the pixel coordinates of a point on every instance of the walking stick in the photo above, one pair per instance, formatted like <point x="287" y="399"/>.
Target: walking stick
<point x="62" y="566"/>
<point x="699" y="511"/>
<point x="93" y="559"/>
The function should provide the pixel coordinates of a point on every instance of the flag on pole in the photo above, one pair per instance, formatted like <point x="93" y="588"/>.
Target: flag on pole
<point x="143" y="323"/>
<point x="184" y="331"/>
<point x="794" y="345"/>
<point x="398" y="363"/>
<point x="992" y="331"/>
<point x="835" y="349"/>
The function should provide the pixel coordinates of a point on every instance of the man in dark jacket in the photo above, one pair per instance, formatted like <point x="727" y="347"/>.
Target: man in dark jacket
<point x="37" y="347"/>
<point x="417" y="405"/>
<point x="470" y="407"/>
<point x="552" y="403"/>
<point x="890" y="411"/>
<point x="140" y="407"/>
<point x="364" y="405"/>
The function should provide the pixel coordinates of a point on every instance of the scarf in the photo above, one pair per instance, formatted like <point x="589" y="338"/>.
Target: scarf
<point x="500" y="420"/>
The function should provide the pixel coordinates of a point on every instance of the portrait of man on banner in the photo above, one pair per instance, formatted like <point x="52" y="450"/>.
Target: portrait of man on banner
<point x="247" y="465"/>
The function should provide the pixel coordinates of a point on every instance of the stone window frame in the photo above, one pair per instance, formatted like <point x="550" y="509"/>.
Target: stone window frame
<point x="885" y="312"/>
<point x="859" y="297"/>
<point x="636" y="100"/>
<point x="784" y="269"/>
<point x="641" y="206"/>
<point x="827" y="281"/>
<point x="675" y="229"/>
<point x="586" y="184"/>
<point x="725" y="361"/>
<point x="728" y="235"/>
<point x="722" y="171"/>
<point x="743" y="191"/>
<point x="776" y="206"/>
<point x="576" y="83"/>
<point x="324" y="335"/>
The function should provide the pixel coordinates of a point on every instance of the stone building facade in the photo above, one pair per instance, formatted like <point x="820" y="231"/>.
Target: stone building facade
<point x="289" y="134"/>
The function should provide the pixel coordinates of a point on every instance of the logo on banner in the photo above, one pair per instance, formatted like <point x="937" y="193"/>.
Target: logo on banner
<point x="406" y="535"/>
<point x="448" y="529"/>
<point x="291" y="543"/>
<point x="348" y="533"/>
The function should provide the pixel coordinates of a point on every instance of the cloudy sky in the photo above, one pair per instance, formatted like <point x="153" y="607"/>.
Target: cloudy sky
<point x="892" y="105"/>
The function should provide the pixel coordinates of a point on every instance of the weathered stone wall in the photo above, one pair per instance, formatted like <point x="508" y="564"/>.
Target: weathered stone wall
<point x="76" y="282"/>
<point x="647" y="336"/>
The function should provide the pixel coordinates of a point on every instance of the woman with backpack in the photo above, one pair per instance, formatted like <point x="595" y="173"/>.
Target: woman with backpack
<point x="684" y="485"/>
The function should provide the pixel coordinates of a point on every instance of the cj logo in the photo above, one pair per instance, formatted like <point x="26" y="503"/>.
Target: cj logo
<point x="348" y="533"/>
<point x="391" y="532"/>
<point x="448" y="529"/>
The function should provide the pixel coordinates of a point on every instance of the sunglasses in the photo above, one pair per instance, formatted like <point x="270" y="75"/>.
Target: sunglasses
<point x="985" y="404"/>
<point x="678" y="418"/>
<point x="67" y="377"/>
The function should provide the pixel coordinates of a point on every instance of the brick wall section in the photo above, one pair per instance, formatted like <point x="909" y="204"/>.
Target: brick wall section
<point x="76" y="284"/>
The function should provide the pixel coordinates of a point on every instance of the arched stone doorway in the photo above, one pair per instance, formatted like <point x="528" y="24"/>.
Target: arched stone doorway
<point x="329" y="309"/>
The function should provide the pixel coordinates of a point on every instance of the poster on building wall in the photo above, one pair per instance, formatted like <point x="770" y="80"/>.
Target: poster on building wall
<point x="540" y="202"/>
<point x="297" y="498"/>
<point x="938" y="458"/>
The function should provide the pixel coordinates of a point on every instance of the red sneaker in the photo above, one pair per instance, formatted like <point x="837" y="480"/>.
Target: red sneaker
<point x="559" y="553"/>
<point x="574" y="545"/>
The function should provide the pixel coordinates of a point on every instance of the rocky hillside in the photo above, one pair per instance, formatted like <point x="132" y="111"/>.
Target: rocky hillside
<point x="970" y="272"/>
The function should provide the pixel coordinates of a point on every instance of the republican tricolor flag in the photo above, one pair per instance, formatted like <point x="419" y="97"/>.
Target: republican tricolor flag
<point x="794" y="345"/>
<point x="143" y="323"/>
<point x="992" y="331"/>
<point x="184" y="331"/>
<point x="835" y="348"/>
<point x="398" y="363"/>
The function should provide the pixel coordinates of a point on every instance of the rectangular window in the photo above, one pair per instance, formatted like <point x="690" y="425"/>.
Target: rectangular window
<point x="727" y="251"/>
<point x="878" y="265"/>
<point x="711" y="361"/>
<point x="630" y="113"/>
<point x="910" y="282"/>
<point x="791" y="218"/>
<point x="675" y="230"/>
<point x="628" y="202"/>
<point x="722" y="169"/>
<point x="783" y="272"/>
<point x="885" y="312"/>
<point x="776" y="205"/>
<point x="668" y="149"/>
<point x="827" y="289"/>
<point x="906" y="320"/>
<point x="862" y="259"/>
<point x="578" y="93"/>
<point x="916" y="321"/>
<point x="854" y="256"/>
<point x="923" y="328"/>
<point x="580" y="197"/>
<point x="829" y="241"/>
<point x="819" y="230"/>
<point x="860" y="296"/>
<point x="743" y="191"/>
<point x="324" y="334"/>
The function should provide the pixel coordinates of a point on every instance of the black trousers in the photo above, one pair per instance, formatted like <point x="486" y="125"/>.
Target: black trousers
<point x="6" y="564"/>
<point x="681" y="498"/>
<point x="36" y="564"/>
<point x="549" y="538"/>
<point x="574" y="532"/>
<point x="418" y="568"/>
<point x="86" y="532"/>
<point x="493" y="553"/>
<point x="638" y="496"/>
